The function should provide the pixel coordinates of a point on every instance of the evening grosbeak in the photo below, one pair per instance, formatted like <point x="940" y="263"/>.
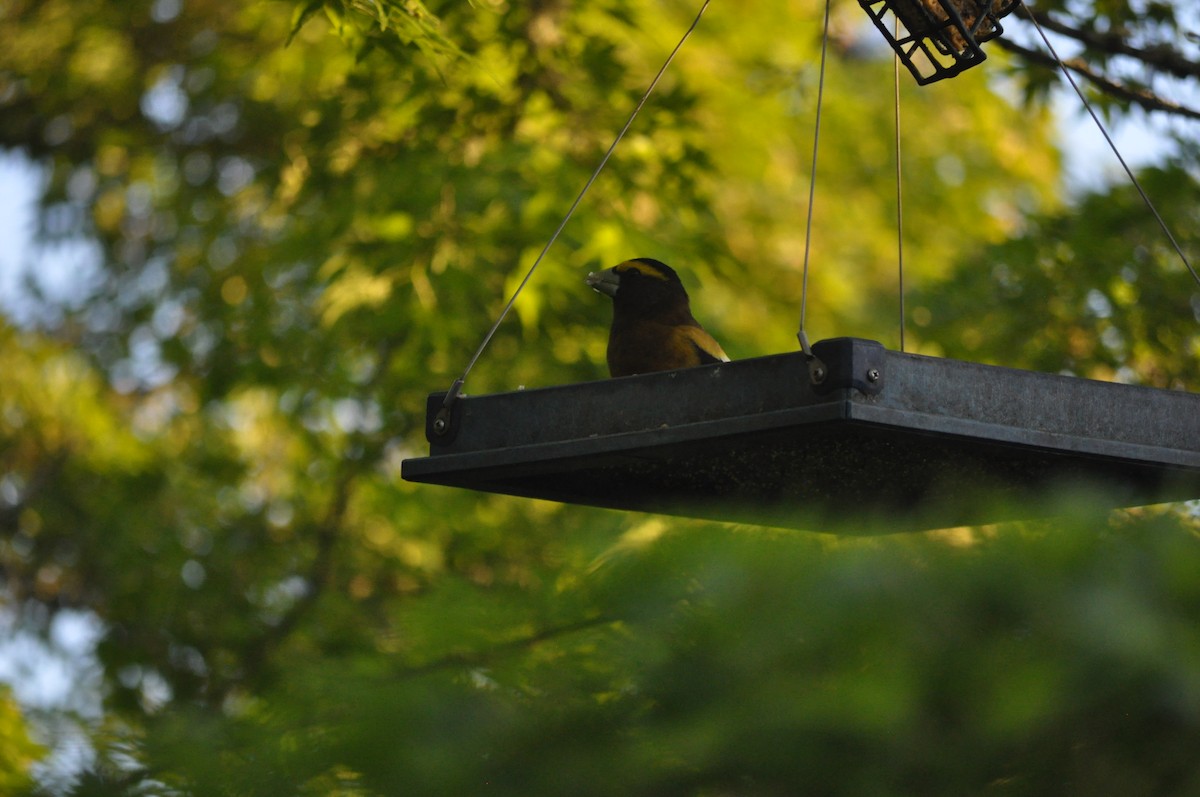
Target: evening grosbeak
<point x="652" y="328"/>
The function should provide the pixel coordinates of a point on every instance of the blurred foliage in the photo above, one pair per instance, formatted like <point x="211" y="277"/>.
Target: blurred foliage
<point x="727" y="662"/>
<point x="1113" y="299"/>
<point x="308" y="214"/>
<point x="1124" y="55"/>
<point x="18" y="752"/>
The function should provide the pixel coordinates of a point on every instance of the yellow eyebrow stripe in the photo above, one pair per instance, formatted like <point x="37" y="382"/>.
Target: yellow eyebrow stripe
<point x="645" y="268"/>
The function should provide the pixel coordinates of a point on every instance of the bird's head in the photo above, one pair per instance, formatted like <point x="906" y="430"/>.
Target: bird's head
<point x="642" y="283"/>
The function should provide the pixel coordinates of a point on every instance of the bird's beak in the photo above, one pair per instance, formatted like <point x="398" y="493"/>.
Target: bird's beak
<point x="606" y="281"/>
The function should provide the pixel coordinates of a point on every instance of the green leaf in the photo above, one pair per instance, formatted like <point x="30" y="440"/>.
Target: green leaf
<point x="300" y="16"/>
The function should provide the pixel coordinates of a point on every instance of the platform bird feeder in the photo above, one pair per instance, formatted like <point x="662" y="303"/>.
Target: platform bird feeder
<point x="938" y="38"/>
<point x="860" y="438"/>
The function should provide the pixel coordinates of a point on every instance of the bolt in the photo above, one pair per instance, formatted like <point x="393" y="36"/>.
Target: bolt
<point x="818" y="374"/>
<point x="439" y="426"/>
<point x="873" y="375"/>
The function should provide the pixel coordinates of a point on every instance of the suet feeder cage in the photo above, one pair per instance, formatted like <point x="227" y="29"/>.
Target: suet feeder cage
<point x="938" y="38"/>
<point x="897" y="441"/>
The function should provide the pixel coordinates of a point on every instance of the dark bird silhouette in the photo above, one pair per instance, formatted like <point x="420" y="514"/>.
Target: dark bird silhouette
<point x="653" y="328"/>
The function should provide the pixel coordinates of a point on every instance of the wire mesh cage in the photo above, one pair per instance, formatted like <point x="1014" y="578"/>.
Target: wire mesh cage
<point x="938" y="39"/>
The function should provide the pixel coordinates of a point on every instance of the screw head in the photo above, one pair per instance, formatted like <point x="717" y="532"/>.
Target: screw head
<point x="873" y="375"/>
<point x="439" y="426"/>
<point x="818" y="374"/>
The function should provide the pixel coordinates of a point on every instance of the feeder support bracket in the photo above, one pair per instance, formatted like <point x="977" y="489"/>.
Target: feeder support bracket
<point x="847" y="363"/>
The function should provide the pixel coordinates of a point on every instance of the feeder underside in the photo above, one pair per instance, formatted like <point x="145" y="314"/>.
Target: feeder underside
<point x="926" y="443"/>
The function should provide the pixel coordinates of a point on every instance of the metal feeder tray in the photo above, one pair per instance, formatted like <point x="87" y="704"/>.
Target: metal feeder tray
<point x="858" y="440"/>
<point x="941" y="38"/>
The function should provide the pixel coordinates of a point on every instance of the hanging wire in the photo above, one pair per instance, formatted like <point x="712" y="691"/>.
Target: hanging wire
<point x="812" y="187"/>
<point x="1112" y="145"/>
<point x="456" y="388"/>
<point x="899" y="187"/>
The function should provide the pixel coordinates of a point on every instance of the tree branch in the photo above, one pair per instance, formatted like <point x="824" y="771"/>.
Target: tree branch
<point x="1162" y="57"/>
<point x="478" y="658"/>
<point x="328" y="529"/>
<point x="1141" y="97"/>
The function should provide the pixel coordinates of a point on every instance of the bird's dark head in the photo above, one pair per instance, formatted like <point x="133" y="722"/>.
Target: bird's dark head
<point x="640" y="285"/>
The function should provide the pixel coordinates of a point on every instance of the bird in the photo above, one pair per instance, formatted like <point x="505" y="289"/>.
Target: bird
<point x="653" y="328"/>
